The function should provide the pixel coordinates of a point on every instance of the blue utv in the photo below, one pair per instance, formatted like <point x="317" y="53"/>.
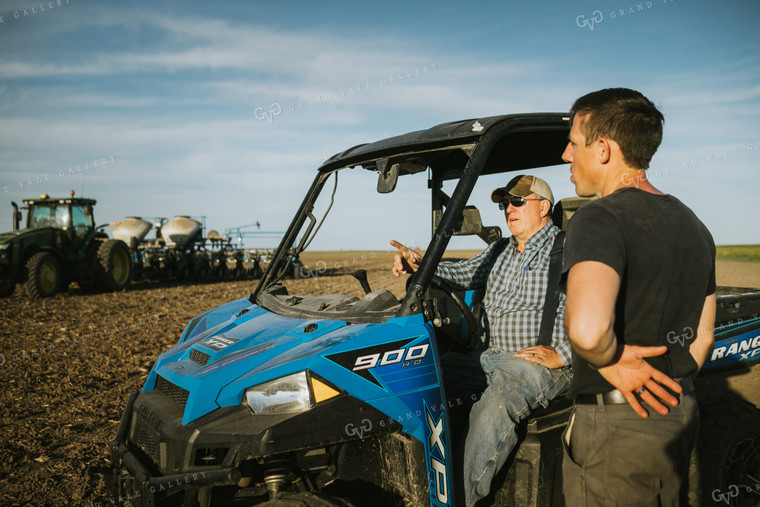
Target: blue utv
<point x="283" y="399"/>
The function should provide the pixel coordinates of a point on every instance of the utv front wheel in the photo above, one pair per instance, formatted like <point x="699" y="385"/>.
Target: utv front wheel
<point x="43" y="275"/>
<point x="112" y="267"/>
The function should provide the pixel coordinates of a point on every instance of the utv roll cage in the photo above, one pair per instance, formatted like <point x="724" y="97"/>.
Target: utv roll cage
<point x="464" y="149"/>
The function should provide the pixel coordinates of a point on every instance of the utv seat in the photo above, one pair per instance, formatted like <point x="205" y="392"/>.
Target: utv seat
<point x="566" y="208"/>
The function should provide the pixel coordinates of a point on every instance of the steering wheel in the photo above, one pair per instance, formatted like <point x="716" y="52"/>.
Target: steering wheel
<point x="449" y="290"/>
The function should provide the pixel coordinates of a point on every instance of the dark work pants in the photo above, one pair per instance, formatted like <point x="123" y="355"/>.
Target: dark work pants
<point x="616" y="457"/>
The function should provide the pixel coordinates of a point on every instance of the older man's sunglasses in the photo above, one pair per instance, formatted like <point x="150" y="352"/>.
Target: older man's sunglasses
<point x="515" y="201"/>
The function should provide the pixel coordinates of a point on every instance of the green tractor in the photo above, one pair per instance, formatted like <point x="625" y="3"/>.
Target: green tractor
<point x="60" y="244"/>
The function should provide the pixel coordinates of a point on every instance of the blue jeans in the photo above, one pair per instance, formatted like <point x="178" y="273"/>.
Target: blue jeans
<point x="513" y="388"/>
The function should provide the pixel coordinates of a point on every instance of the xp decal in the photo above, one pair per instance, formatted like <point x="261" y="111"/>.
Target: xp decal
<point x="437" y="456"/>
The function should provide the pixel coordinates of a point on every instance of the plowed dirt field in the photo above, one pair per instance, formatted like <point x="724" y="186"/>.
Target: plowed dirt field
<point x="68" y="363"/>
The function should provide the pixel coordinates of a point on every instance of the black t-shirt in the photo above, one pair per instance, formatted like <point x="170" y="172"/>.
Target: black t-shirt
<point x="666" y="261"/>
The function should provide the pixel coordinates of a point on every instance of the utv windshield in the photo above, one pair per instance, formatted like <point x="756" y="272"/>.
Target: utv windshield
<point x="414" y="195"/>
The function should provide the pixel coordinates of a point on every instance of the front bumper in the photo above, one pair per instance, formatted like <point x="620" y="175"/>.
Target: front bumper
<point x="137" y="482"/>
<point x="155" y="456"/>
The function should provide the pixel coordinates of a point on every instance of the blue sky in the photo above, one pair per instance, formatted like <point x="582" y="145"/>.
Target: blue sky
<point x="225" y="109"/>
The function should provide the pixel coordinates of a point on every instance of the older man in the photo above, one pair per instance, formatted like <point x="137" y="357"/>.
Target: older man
<point x="640" y="268"/>
<point x="519" y="375"/>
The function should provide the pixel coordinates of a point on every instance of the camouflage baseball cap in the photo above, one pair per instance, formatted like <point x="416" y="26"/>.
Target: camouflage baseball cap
<point x="524" y="185"/>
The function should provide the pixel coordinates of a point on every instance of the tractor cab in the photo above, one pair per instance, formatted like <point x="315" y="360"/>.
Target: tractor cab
<point x="73" y="215"/>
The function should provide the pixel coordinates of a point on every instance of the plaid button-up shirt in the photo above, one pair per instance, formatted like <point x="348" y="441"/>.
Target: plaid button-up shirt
<point x="515" y="288"/>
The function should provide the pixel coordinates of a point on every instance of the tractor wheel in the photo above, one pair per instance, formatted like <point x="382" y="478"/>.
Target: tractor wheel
<point x="43" y="275"/>
<point x="726" y="465"/>
<point x="112" y="266"/>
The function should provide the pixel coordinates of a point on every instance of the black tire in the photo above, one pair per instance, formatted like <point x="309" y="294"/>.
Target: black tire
<point x="7" y="289"/>
<point x="113" y="266"/>
<point x="43" y="276"/>
<point x="726" y="464"/>
<point x="306" y="499"/>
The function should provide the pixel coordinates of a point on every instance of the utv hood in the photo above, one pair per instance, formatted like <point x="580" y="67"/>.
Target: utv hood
<point x="239" y="345"/>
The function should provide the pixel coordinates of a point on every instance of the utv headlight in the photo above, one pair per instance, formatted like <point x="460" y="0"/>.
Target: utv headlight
<point x="293" y="394"/>
<point x="286" y="395"/>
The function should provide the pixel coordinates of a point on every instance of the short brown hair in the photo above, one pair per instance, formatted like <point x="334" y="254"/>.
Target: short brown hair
<point x="625" y="116"/>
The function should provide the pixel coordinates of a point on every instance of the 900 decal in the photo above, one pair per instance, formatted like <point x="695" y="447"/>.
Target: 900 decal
<point x="364" y="361"/>
<point x="407" y="357"/>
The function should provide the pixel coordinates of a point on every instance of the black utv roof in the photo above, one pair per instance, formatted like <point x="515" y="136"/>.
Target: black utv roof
<point x="525" y="141"/>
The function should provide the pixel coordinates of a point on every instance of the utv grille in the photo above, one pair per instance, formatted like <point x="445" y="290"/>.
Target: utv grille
<point x="147" y="440"/>
<point x="172" y="391"/>
<point x="199" y="357"/>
